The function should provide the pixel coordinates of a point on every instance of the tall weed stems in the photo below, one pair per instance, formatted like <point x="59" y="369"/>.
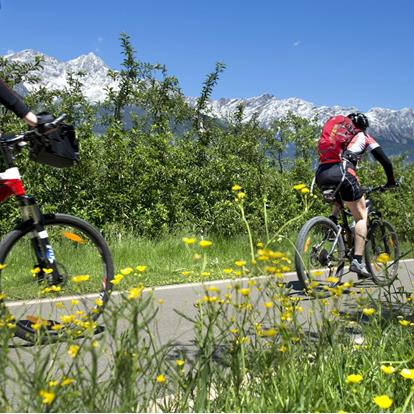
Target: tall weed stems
<point x="257" y="346"/>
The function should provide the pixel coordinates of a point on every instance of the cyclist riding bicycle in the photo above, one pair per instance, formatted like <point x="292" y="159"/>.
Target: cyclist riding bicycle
<point x="12" y="101"/>
<point x="342" y="143"/>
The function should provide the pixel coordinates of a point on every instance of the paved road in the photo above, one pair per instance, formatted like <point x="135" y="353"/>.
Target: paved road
<point x="182" y="297"/>
<point x="173" y="327"/>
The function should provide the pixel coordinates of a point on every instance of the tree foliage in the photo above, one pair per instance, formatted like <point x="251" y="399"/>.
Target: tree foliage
<point x="158" y="165"/>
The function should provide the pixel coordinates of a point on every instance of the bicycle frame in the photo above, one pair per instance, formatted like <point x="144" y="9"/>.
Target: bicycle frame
<point x="11" y="184"/>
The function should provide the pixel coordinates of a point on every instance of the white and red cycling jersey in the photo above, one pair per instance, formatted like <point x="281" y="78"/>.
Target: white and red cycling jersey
<point x="362" y="142"/>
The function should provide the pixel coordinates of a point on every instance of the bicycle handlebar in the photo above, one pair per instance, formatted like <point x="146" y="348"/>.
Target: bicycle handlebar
<point x="38" y="131"/>
<point x="381" y="188"/>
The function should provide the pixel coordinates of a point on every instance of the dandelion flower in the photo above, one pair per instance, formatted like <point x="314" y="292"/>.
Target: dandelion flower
<point x="388" y="369"/>
<point x="227" y="271"/>
<point x="126" y="271"/>
<point x="354" y="379"/>
<point x="205" y="243"/>
<point x="304" y="190"/>
<point x="241" y="195"/>
<point x="404" y="322"/>
<point x="383" y="401"/>
<point x="73" y="351"/>
<point x="236" y="187"/>
<point x="368" y="311"/>
<point x="141" y="269"/>
<point x="244" y="291"/>
<point x="299" y="187"/>
<point x="179" y="362"/>
<point x="117" y="279"/>
<point x="135" y="293"/>
<point x="407" y="373"/>
<point x="161" y="378"/>
<point x="268" y="305"/>
<point x="80" y="278"/>
<point x="240" y="263"/>
<point x="189" y="240"/>
<point x="47" y="396"/>
<point x="383" y="258"/>
<point x="67" y="381"/>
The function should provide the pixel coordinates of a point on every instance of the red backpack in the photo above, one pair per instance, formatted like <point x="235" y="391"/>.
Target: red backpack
<point x="336" y="134"/>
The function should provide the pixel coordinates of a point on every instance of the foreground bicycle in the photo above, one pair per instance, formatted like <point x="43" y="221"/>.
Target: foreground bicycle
<point x="322" y="248"/>
<point x="50" y="262"/>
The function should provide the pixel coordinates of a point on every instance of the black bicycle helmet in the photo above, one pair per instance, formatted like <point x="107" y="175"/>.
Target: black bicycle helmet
<point x="359" y="120"/>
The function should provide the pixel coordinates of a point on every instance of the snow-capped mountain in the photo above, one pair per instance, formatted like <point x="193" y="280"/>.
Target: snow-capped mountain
<point x="54" y="73"/>
<point x="393" y="128"/>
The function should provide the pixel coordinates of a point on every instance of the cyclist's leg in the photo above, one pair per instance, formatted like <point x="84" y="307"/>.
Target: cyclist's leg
<point x="359" y="212"/>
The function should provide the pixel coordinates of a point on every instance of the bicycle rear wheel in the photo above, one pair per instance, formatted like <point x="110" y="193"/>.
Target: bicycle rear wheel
<point x="382" y="253"/>
<point x="320" y="253"/>
<point x="83" y="260"/>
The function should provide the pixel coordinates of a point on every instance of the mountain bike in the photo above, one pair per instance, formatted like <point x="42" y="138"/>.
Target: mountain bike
<point x="322" y="247"/>
<point x="51" y="265"/>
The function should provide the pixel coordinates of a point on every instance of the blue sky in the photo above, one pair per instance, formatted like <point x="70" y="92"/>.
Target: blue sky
<point x="327" y="52"/>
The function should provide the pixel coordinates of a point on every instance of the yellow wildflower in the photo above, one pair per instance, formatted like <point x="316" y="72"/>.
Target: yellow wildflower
<point x="383" y="258"/>
<point x="244" y="291"/>
<point x="404" y="322"/>
<point x="161" y="378"/>
<point x="47" y="396"/>
<point x="299" y="187"/>
<point x="67" y="318"/>
<point x="332" y="279"/>
<point x="117" y="279"/>
<point x="368" y="311"/>
<point x="186" y="273"/>
<point x="73" y="351"/>
<point x="80" y="278"/>
<point x="241" y="195"/>
<point x="268" y="305"/>
<point x="127" y="270"/>
<point x="236" y="187"/>
<point x="67" y="381"/>
<point x="407" y="373"/>
<point x="205" y="274"/>
<point x="99" y="302"/>
<point x="383" y="401"/>
<point x="205" y="243"/>
<point x="2" y="266"/>
<point x="304" y="190"/>
<point x="179" y="362"/>
<point x="354" y="379"/>
<point x="388" y="369"/>
<point x="227" y="271"/>
<point x="189" y="240"/>
<point x="141" y="268"/>
<point x="240" y="263"/>
<point x="135" y="292"/>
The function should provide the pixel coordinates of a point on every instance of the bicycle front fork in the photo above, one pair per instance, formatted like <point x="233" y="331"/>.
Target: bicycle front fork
<point x="46" y="267"/>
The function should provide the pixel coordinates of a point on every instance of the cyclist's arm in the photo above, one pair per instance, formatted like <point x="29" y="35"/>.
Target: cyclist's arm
<point x="11" y="101"/>
<point x="386" y="163"/>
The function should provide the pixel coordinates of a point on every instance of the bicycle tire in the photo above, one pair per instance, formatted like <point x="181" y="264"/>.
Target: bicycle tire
<point x="382" y="239"/>
<point x="79" y="244"/>
<point x="309" y="267"/>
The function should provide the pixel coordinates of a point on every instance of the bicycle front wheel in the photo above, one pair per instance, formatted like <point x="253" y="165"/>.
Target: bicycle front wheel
<point x="320" y="253"/>
<point x="84" y="263"/>
<point x="382" y="253"/>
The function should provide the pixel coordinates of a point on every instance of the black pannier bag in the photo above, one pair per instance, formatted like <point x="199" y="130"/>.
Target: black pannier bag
<point x="58" y="147"/>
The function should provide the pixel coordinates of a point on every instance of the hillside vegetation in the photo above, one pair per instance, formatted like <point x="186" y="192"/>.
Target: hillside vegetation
<point x="173" y="169"/>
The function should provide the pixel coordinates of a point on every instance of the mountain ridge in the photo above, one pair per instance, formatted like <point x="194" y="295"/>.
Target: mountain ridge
<point x="394" y="128"/>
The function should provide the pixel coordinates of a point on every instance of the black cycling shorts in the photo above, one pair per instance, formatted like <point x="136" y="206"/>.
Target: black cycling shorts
<point x="331" y="175"/>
